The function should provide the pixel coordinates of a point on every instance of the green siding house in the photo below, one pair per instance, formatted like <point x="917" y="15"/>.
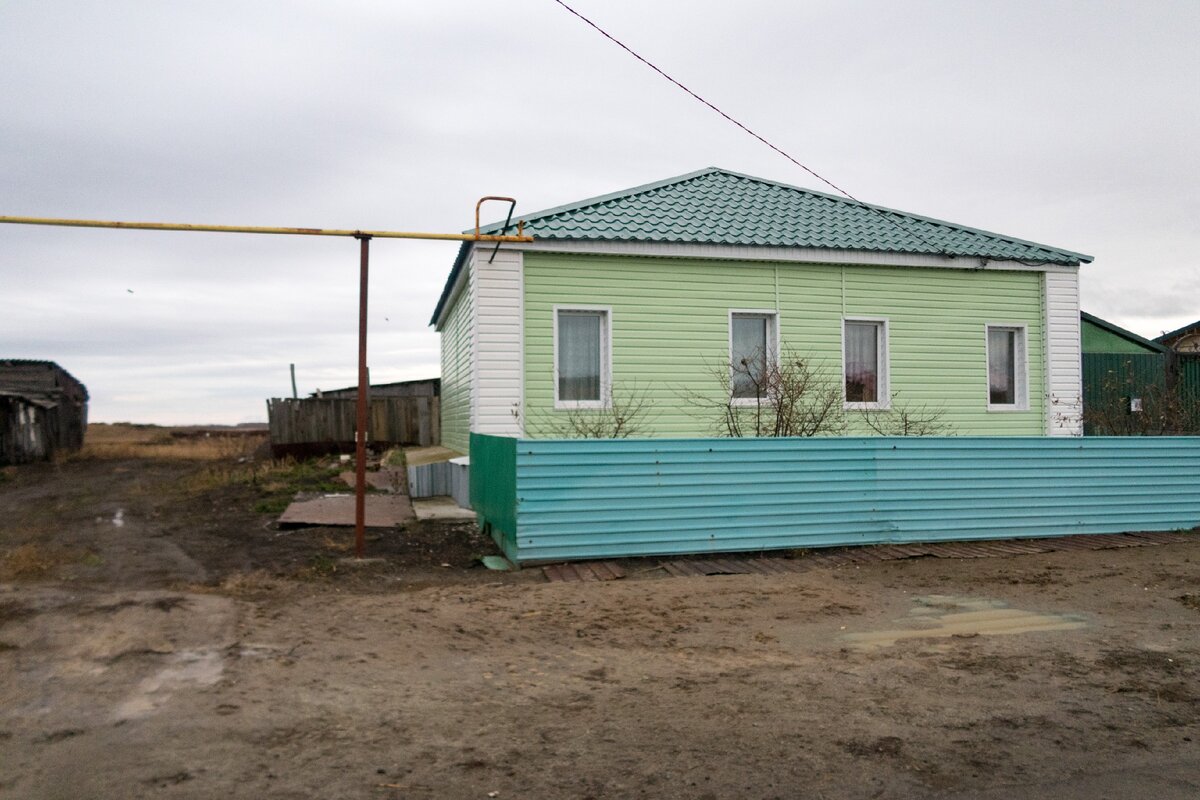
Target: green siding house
<point x="649" y="291"/>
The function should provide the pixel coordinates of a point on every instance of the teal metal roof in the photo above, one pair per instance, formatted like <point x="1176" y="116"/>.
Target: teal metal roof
<point x="716" y="206"/>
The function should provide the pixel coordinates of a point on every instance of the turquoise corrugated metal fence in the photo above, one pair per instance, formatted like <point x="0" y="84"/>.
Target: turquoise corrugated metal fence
<point x="609" y="498"/>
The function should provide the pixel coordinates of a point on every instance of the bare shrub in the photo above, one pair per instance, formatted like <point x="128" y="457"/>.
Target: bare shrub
<point x="626" y="413"/>
<point x="792" y="395"/>
<point x="1161" y="408"/>
<point x="906" y="419"/>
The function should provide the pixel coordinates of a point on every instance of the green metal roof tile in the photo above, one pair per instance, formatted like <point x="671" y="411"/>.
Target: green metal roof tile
<point x="716" y="206"/>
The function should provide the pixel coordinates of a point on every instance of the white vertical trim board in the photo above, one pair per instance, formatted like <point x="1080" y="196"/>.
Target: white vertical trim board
<point x="499" y="356"/>
<point x="1064" y="385"/>
<point x="473" y="330"/>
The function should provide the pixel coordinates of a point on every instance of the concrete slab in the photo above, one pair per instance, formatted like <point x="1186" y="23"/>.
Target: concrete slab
<point x="385" y="479"/>
<point x="382" y="510"/>
<point x="417" y="456"/>
<point x="441" y="508"/>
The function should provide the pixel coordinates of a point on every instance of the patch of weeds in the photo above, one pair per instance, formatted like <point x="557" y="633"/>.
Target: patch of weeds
<point x="29" y="561"/>
<point x="393" y="458"/>
<point x="278" y="485"/>
<point x="274" y="484"/>
<point x="322" y="566"/>
<point x="341" y="546"/>
<point x="273" y="505"/>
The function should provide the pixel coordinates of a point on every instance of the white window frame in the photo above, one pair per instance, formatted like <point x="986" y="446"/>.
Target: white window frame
<point x="1020" y="372"/>
<point x="772" y="343"/>
<point x="605" y="359"/>
<point x="883" y="354"/>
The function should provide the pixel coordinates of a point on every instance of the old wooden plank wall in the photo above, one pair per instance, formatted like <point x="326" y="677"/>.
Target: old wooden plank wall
<point x="313" y="425"/>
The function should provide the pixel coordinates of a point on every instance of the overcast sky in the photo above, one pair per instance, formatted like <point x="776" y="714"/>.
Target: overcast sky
<point x="1074" y="124"/>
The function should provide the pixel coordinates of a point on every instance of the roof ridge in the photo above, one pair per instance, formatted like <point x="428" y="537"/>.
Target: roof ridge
<point x="906" y="214"/>
<point x="690" y="176"/>
<point x="603" y="198"/>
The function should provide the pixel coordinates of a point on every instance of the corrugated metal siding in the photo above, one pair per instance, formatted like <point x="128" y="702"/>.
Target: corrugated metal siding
<point x="670" y="327"/>
<point x="1110" y="378"/>
<point x="1189" y="377"/>
<point x="612" y="498"/>
<point x="443" y="478"/>
<point x="493" y="486"/>
<point x="456" y="346"/>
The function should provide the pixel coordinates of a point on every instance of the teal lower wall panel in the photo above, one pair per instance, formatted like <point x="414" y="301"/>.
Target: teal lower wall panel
<point x="584" y="499"/>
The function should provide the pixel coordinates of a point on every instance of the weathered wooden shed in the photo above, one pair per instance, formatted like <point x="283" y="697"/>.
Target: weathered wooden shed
<point x="426" y="387"/>
<point x="43" y="411"/>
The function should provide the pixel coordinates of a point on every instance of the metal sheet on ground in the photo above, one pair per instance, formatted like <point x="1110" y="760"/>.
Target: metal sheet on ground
<point x="382" y="510"/>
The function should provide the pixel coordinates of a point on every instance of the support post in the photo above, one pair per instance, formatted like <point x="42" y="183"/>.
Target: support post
<point x="360" y="436"/>
<point x="292" y="367"/>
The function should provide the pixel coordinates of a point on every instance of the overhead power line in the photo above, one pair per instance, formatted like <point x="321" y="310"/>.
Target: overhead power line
<point x="746" y="129"/>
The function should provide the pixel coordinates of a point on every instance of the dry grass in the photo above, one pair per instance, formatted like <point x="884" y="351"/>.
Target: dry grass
<point x="123" y="440"/>
<point x="30" y="561"/>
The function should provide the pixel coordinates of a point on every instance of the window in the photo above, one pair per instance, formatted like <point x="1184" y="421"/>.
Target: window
<point x="751" y="351"/>
<point x="864" y="363"/>
<point x="1006" y="368"/>
<point x="581" y="357"/>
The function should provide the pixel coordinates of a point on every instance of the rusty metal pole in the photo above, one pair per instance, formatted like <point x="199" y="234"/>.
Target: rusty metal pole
<point x="360" y="437"/>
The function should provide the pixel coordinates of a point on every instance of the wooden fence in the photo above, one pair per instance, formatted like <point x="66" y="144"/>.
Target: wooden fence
<point x="313" y="426"/>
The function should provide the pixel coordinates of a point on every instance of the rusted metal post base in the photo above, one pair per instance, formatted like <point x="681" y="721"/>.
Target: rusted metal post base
<point x="360" y="435"/>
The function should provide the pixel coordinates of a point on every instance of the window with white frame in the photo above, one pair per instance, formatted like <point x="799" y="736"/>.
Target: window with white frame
<point x="751" y="353"/>
<point x="1006" y="368"/>
<point x="865" y="363"/>
<point x="581" y="357"/>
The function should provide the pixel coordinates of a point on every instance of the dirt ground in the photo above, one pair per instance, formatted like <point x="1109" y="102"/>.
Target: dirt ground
<point x="161" y="638"/>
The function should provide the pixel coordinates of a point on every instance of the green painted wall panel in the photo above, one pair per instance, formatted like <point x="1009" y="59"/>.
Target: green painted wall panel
<point x="1094" y="339"/>
<point x="670" y="328"/>
<point x="494" y="487"/>
<point x="456" y="372"/>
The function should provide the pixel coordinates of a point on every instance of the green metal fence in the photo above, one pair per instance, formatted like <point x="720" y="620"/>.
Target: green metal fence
<point x="553" y="499"/>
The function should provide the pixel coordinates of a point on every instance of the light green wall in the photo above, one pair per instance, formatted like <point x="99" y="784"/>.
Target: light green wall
<point x="456" y="373"/>
<point x="1095" y="339"/>
<point x="670" y="325"/>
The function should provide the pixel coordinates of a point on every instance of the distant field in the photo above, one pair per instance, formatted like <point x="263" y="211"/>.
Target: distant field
<point x="190" y="442"/>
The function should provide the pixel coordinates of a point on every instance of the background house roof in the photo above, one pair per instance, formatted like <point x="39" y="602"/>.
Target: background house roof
<point x="716" y="206"/>
<point x="1136" y="342"/>
<point x="1169" y="337"/>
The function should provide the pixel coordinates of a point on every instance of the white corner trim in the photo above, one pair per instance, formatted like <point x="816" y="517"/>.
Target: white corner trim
<point x="499" y="356"/>
<point x="1064" y="371"/>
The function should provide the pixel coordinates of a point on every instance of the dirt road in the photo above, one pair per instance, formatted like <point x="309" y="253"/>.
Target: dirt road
<point x="192" y="651"/>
